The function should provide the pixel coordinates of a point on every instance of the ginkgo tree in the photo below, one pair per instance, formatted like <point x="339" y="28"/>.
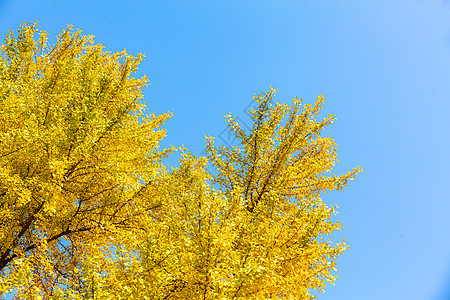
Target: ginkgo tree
<point x="90" y="210"/>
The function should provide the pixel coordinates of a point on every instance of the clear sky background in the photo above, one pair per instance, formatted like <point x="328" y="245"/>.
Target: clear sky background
<point x="384" y="67"/>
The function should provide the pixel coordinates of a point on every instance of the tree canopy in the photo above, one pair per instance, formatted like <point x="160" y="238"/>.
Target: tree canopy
<point x="90" y="210"/>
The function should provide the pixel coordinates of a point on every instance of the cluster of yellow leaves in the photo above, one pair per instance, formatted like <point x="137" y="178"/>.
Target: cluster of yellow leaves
<point x="89" y="211"/>
<point x="76" y="156"/>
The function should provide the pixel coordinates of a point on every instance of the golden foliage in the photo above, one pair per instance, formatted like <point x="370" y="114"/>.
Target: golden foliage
<point x="89" y="211"/>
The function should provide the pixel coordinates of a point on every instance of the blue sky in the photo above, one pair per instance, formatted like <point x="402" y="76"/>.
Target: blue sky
<point x="384" y="67"/>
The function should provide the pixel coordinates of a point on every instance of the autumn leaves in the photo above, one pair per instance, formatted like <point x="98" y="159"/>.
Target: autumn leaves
<point x="88" y="210"/>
